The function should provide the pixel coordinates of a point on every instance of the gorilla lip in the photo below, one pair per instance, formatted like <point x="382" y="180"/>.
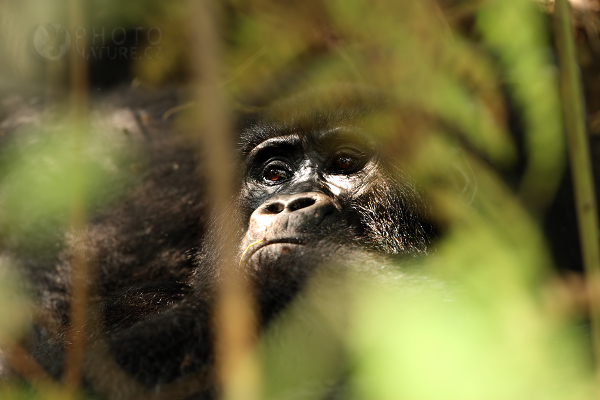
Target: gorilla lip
<point x="253" y="248"/>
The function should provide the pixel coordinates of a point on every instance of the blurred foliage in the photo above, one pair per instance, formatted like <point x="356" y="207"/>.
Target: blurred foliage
<point x="527" y="61"/>
<point x="471" y="346"/>
<point x="15" y="317"/>
<point x="468" y="322"/>
<point x="45" y="173"/>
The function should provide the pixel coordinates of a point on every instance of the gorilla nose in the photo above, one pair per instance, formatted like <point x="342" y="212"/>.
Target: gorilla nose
<point x="311" y="202"/>
<point x="305" y="215"/>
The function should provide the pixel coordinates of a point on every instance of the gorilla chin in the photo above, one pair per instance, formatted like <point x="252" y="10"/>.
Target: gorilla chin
<point x="271" y="251"/>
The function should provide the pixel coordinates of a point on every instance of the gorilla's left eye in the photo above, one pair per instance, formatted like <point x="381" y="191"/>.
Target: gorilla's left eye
<point x="344" y="162"/>
<point x="347" y="161"/>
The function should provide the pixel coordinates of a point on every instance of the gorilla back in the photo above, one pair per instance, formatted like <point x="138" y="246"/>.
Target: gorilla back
<point x="316" y="191"/>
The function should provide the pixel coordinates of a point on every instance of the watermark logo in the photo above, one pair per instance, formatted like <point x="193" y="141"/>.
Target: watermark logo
<point x="51" y="41"/>
<point x="117" y="43"/>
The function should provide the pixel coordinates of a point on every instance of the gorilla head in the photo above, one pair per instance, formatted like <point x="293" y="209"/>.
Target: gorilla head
<point x="316" y="187"/>
<point x="312" y="172"/>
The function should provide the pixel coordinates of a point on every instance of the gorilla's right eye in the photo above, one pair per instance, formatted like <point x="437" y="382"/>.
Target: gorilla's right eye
<point x="274" y="170"/>
<point x="275" y="175"/>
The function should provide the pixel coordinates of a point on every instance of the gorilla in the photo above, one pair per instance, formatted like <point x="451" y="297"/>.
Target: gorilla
<point x="316" y="190"/>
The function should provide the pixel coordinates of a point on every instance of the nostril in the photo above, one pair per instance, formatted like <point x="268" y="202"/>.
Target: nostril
<point x="300" y="203"/>
<point x="275" y="207"/>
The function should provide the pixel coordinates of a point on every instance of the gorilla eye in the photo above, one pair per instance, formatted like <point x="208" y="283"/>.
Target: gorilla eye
<point x="275" y="175"/>
<point x="347" y="161"/>
<point x="344" y="162"/>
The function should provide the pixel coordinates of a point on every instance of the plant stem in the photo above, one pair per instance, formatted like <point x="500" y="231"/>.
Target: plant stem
<point x="580" y="160"/>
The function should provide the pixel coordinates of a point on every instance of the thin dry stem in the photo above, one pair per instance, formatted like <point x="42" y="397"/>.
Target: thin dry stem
<point x="235" y="325"/>
<point x="24" y="365"/>
<point x="79" y="264"/>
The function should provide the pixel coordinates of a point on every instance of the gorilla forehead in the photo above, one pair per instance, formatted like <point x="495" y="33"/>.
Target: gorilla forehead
<point x="315" y="112"/>
<point x="312" y="139"/>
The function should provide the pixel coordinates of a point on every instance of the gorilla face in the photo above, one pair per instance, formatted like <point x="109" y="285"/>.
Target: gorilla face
<point x="299" y="190"/>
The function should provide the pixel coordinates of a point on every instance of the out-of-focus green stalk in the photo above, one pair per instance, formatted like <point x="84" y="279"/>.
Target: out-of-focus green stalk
<point x="579" y="152"/>
<point x="235" y="321"/>
<point x="79" y="264"/>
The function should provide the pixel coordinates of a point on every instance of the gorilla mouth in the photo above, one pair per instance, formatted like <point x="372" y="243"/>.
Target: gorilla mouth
<point x="282" y="243"/>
